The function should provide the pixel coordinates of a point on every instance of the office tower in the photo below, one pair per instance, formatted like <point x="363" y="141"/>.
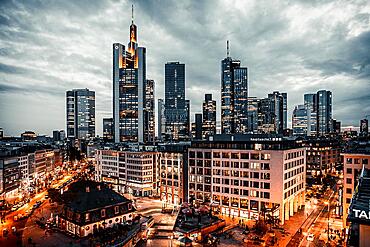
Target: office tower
<point x="336" y="126"/>
<point x="300" y="121"/>
<point x="254" y="114"/>
<point x="129" y="79"/>
<point x="310" y="103"/>
<point x="324" y="112"/>
<point x="161" y="120"/>
<point x="176" y="108"/>
<point x="149" y="111"/>
<point x="59" y="135"/>
<point x="108" y="129"/>
<point x="187" y="125"/>
<point x="243" y="176"/>
<point x="1" y="133"/>
<point x="279" y="110"/>
<point x="364" y="127"/>
<point x="267" y="118"/>
<point x="209" y="116"/>
<point x="197" y="127"/>
<point x="234" y="94"/>
<point x="80" y="113"/>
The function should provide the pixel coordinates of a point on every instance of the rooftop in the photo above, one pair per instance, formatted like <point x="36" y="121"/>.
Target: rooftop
<point x="85" y="195"/>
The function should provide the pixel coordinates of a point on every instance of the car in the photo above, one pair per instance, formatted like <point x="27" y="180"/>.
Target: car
<point x="310" y="237"/>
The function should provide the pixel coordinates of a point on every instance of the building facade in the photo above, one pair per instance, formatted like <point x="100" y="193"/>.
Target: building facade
<point x="80" y="105"/>
<point x="209" y="116"/>
<point x="176" y="108"/>
<point x="161" y="120"/>
<point x="300" y="121"/>
<point x="129" y="85"/>
<point x="243" y="176"/>
<point x="149" y="111"/>
<point x="324" y="113"/>
<point x="133" y="172"/>
<point x="108" y="129"/>
<point x="234" y="96"/>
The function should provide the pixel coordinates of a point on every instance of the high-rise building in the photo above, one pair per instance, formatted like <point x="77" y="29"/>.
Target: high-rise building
<point x="324" y="112"/>
<point x="1" y="133"/>
<point x="310" y="103"/>
<point x="129" y="85"/>
<point x="364" y="127"/>
<point x="176" y="112"/>
<point x="59" y="135"/>
<point x="254" y="114"/>
<point x="234" y="96"/>
<point x="279" y="111"/>
<point x="149" y="111"/>
<point x="197" y="127"/>
<point x="336" y="126"/>
<point x="161" y="120"/>
<point x="80" y="105"/>
<point x="108" y="129"/>
<point x="299" y="121"/>
<point x="209" y="116"/>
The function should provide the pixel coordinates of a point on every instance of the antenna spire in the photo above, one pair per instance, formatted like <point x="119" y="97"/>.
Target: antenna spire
<point x="227" y="48"/>
<point x="132" y="13"/>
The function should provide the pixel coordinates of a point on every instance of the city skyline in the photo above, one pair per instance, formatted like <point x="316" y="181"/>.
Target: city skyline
<point x="331" y="57"/>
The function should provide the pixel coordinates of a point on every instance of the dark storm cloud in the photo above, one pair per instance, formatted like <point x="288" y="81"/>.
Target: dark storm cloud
<point x="48" y="47"/>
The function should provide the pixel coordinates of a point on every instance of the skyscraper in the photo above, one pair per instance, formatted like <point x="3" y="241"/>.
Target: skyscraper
<point x="80" y="107"/>
<point x="234" y="96"/>
<point x="254" y="114"/>
<point x="161" y="120"/>
<point x="299" y="121"/>
<point x="279" y="109"/>
<point x="324" y="112"/>
<point x="149" y="111"/>
<point x="364" y="127"/>
<point x="129" y="84"/>
<point x="310" y="103"/>
<point x="176" y="112"/>
<point x="108" y="129"/>
<point x="209" y="116"/>
<point x="197" y="127"/>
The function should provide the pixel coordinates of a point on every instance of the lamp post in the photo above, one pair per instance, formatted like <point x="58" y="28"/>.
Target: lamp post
<point x="328" y="203"/>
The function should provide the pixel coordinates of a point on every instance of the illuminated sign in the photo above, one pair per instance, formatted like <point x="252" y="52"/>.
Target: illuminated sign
<point x="361" y="214"/>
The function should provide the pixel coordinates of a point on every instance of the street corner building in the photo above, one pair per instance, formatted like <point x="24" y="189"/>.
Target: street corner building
<point x="91" y="206"/>
<point x="248" y="176"/>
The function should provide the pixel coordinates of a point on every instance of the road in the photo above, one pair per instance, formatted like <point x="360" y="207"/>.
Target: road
<point x="16" y="239"/>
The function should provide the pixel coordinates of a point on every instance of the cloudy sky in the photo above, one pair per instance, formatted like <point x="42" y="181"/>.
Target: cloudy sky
<point x="48" y="47"/>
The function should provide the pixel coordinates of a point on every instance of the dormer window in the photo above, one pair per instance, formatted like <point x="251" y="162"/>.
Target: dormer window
<point x="87" y="217"/>
<point x="116" y="209"/>
<point x="129" y="206"/>
<point x="102" y="213"/>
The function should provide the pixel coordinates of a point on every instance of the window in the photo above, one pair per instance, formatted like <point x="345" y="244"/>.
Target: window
<point x="349" y="180"/>
<point x="245" y="156"/>
<point x="348" y="200"/>
<point x="348" y="190"/>
<point x="266" y="185"/>
<point x="87" y="217"/>
<point x="365" y="161"/>
<point x="102" y="213"/>
<point x="357" y="161"/>
<point x="266" y="195"/>
<point x="349" y="170"/>
<point x="349" y="160"/>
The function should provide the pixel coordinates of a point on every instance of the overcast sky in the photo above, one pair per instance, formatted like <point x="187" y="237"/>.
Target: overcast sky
<point x="48" y="47"/>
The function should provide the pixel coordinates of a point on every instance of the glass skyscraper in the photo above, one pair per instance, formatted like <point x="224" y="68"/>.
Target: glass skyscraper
<point x="324" y="112"/>
<point x="300" y="121"/>
<point x="176" y="107"/>
<point x="80" y="106"/>
<point x="310" y="103"/>
<point x="129" y="85"/>
<point x="149" y="111"/>
<point x="209" y="116"/>
<point x="234" y="97"/>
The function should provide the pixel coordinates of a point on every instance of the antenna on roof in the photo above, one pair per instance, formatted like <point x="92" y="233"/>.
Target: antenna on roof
<point x="132" y="13"/>
<point x="227" y="48"/>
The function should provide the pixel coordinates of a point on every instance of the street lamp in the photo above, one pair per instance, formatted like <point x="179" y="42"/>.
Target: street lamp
<point x="328" y="203"/>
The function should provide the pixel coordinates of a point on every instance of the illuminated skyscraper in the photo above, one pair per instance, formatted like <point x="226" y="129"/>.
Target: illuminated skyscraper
<point x="108" y="129"/>
<point x="279" y="111"/>
<point x="310" y="103"/>
<point x="234" y="96"/>
<point x="299" y="121"/>
<point x="149" y="111"/>
<point x="80" y="106"/>
<point x="129" y="84"/>
<point x="161" y="120"/>
<point x="209" y="116"/>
